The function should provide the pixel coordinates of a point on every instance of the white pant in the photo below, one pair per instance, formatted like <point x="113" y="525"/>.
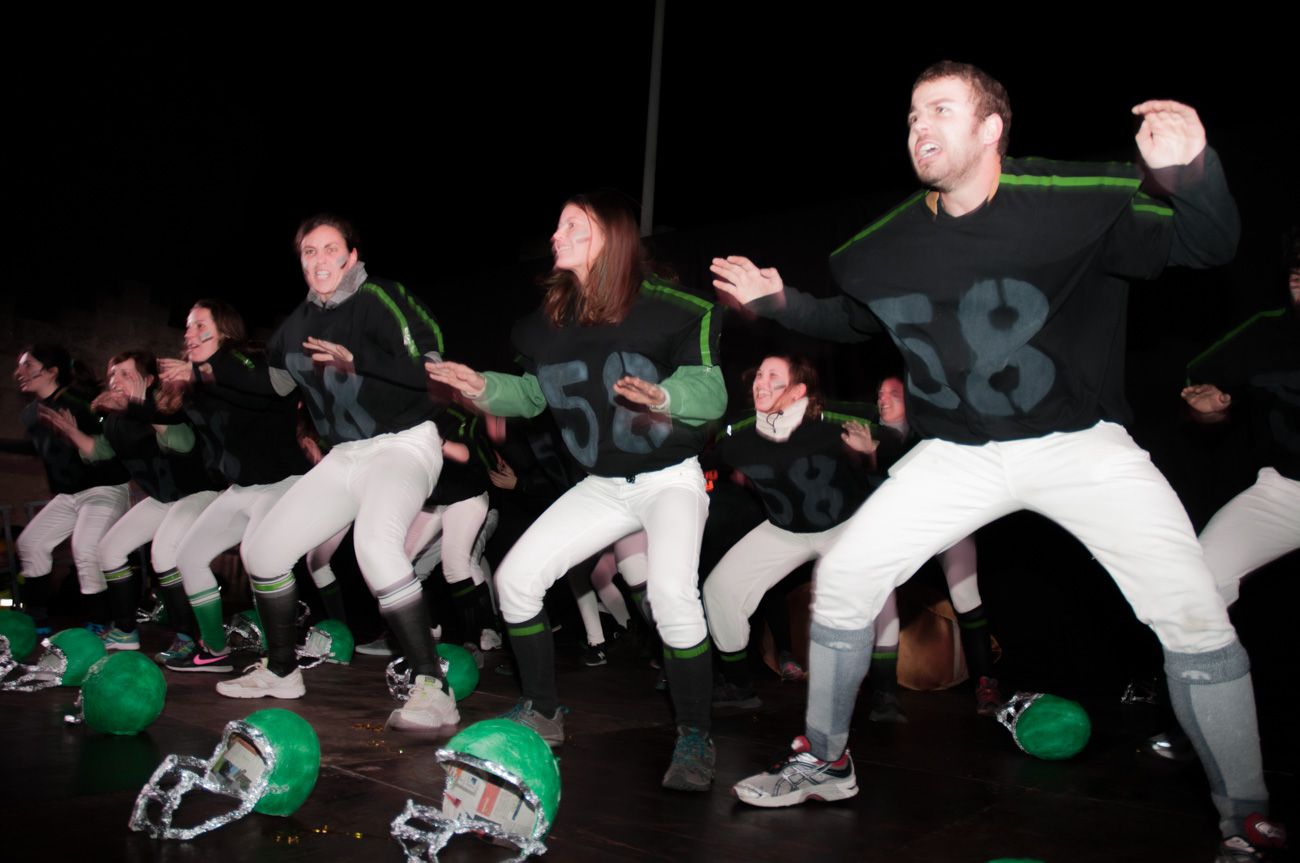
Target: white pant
<point x="456" y="528"/>
<point x="670" y="504"/>
<point x="380" y="483"/>
<point x="751" y="568"/>
<point x="223" y="524"/>
<point x="85" y="516"/>
<point x="1254" y="528"/>
<point x="150" y="520"/>
<point x="1095" y="483"/>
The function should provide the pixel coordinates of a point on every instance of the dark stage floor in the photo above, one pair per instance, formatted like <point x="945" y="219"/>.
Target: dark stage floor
<point x="946" y="786"/>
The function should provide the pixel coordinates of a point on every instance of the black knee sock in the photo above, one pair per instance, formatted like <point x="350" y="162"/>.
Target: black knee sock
<point x="736" y="669"/>
<point x="884" y="669"/>
<point x="534" y="651"/>
<point x="171" y="590"/>
<point x="467" y="597"/>
<point x="690" y="681"/>
<point x="332" y="597"/>
<point x="976" y="642"/>
<point x="36" y="598"/>
<point x="409" y="624"/>
<point x="96" y="605"/>
<point x="122" y="597"/>
<point x="278" y="609"/>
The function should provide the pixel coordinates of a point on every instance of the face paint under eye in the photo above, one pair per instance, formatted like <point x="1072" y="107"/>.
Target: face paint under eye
<point x="341" y="262"/>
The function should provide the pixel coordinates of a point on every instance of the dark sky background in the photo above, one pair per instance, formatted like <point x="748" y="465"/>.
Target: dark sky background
<point x="182" y="157"/>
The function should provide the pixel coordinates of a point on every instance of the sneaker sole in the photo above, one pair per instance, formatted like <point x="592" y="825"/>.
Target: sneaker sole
<point x="214" y="669"/>
<point x="373" y="651"/>
<point x="822" y="793"/>
<point x="682" y="783"/>
<point x="397" y="722"/>
<point x="115" y="646"/>
<point x="245" y="692"/>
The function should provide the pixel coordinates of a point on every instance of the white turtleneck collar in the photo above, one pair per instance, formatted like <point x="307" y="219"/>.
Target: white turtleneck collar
<point x="780" y="425"/>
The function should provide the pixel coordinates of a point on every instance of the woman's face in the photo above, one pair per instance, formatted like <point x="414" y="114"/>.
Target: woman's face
<point x="201" y="336"/>
<point x="34" y="377"/>
<point x="772" y="390"/>
<point x="577" y="242"/>
<point x="125" y="378"/>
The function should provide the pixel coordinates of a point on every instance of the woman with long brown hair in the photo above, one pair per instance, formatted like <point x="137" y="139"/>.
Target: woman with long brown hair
<point x="627" y="364"/>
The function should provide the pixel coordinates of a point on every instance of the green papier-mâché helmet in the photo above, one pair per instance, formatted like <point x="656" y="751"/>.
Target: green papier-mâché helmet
<point x="1046" y="726"/>
<point x="123" y="693"/>
<point x="328" y="641"/>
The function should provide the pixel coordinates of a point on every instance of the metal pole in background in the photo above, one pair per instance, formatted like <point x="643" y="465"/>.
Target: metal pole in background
<point x="652" y="125"/>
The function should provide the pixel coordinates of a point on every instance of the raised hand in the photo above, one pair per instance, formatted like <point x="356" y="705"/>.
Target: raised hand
<point x="1171" y="133"/>
<point x="640" y="392"/>
<point x="740" y="279"/>
<point x="461" y="378"/>
<point x="857" y="436"/>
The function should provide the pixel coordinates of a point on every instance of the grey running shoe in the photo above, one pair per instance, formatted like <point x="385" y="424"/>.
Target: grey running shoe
<point x="693" y="760"/>
<point x="259" y="681"/>
<point x="549" y="728"/>
<point x="801" y="776"/>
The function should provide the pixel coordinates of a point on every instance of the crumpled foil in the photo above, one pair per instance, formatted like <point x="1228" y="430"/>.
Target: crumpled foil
<point x="44" y="674"/>
<point x="399" y="680"/>
<point x="423" y="844"/>
<point x="78" y="714"/>
<point x="316" y="650"/>
<point x="190" y="771"/>
<point x="1009" y="714"/>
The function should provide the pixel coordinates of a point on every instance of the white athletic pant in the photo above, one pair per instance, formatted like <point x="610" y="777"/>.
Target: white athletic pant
<point x="670" y="504"/>
<point x="379" y="483"/>
<point x="85" y="516"/>
<point x="958" y="565"/>
<point x="1097" y="484"/>
<point x="627" y="556"/>
<point x="456" y="527"/>
<point x="751" y="568"/>
<point x="1254" y="528"/>
<point x="224" y="523"/>
<point x="150" y="520"/>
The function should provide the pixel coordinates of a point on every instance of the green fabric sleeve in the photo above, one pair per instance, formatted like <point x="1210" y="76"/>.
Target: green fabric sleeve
<point x="512" y="395"/>
<point x="696" y="394"/>
<point x="103" y="450"/>
<point x="177" y="438"/>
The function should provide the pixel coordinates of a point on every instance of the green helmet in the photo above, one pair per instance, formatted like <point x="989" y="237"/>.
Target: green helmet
<point x="460" y="669"/>
<point x="17" y="636"/>
<point x="123" y="693"/>
<point x="502" y="780"/>
<point x="68" y="656"/>
<point x="1046" y="726"/>
<point x="267" y="761"/>
<point x="328" y="641"/>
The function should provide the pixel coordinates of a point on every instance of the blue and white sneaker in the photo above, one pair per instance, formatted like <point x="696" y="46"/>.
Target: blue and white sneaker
<point x="182" y="646"/>
<point x="116" y="639"/>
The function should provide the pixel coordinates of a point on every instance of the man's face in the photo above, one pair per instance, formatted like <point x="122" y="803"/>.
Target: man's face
<point x="201" y="336"/>
<point x="889" y="400"/>
<point x="945" y="138"/>
<point x="325" y="260"/>
<point x="577" y="241"/>
<point x="772" y="389"/>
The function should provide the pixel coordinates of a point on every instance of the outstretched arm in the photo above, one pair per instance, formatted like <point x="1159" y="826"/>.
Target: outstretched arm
<point x="762" y="291"/>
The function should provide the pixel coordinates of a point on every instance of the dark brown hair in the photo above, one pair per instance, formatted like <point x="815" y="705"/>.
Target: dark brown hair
<point x="145" y="362"/>
<point x="338" y="223"/>
<point x="616" y="274"/>
<point x="802" y="371"/>
<point x="990" y="96"/>
<point x="230" y="323"/>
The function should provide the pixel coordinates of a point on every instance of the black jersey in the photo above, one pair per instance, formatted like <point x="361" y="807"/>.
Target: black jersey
<point x="164" y="475"/>
<point x="576" y="367"/>
<point x="809" y="482"/>
<point x="1011" y="318"/>
<point x="1258" y="363"/>
<point x="249" y="434"/>
<point x="462" y="480"/>
<point x="389" y="333"/>
<point x="65" y="470"/>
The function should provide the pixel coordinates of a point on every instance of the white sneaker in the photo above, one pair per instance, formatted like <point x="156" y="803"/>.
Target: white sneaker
<point x="258" y="681"/>
<point x="378" y="647"/>
<point x="429" y="710"/>
<point x="489" y="639"/>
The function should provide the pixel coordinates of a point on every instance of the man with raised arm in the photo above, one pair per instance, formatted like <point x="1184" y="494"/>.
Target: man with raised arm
<point x="1004" y="284"/>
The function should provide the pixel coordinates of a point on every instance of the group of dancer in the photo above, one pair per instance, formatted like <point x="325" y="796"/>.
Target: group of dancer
<point x="1002" y="283"/>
